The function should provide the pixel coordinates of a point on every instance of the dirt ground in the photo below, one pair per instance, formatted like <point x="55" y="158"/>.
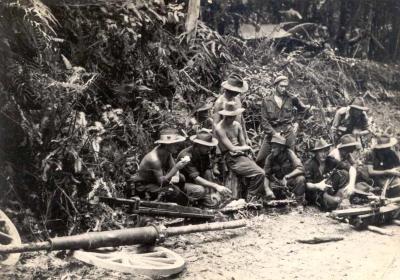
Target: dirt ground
<point x="266" y="249"/>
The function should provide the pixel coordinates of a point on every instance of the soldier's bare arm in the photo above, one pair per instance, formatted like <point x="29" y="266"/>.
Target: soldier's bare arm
<point x="217" y="107"/>
<point x="224" y="140"/>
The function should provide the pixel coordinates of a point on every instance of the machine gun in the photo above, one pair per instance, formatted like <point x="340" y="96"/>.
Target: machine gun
<point x="154" y="261"/>
<point x="151" y="208"/>
<point x="379" y="212"/>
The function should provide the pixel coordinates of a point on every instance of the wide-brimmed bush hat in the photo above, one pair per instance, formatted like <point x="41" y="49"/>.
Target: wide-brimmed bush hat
<point x="235" y="83"/>
<point x="384" y="141"/>
<point x="279" y="139"/>
<point x="358" y="103"/>
<point x="170" y="136"/>
<point x="231" y="109"/>
<point x="320" y="144"/>
<point x="204" y="137"/>
<point x="280" y="78"/>
<point x="348" y="140"/>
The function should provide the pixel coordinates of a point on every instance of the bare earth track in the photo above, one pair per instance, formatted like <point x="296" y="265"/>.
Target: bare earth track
<point x="266" y="249"/>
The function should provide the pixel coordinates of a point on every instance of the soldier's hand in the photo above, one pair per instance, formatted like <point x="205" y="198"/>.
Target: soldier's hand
<point x="251" y="152"/>
<point x="356" y="132"/>
<point x="246" y="147"/>
<point x="216" y="171"/>
<point x="181" y="164"/>
<point x="348" y="190"/>
<point x="284" y="181"/>
<point x="248" y="142"/>
<point x="323" y="185"/>
<point x="223" y="190"/>
<point x="395" y="172"/>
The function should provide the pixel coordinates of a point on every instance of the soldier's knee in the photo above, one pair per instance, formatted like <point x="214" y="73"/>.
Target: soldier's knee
<point x="299" y="185"/>
<point x="362" y="186"/>
<point x="300" y="180"/>
<point x="195" y="192"/>
<point x="330" y="202"/>
<point x="259" y="172"/>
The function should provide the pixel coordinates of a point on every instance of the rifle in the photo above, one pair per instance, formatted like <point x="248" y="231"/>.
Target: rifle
<point x="280" y="185"/>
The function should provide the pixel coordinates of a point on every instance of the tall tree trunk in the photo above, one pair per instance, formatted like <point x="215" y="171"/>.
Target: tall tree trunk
<point x="331" y="19"/>
<point x="341" y="39"/>
<point x="365" y="46"/>
<point x="396" y="29"/>
<point x="192" y="15"/>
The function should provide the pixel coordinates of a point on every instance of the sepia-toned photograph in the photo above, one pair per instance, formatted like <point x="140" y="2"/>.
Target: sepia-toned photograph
<point x="199" y="139"/>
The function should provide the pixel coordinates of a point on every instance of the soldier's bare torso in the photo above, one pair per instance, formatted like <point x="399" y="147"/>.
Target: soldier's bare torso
<point x="232" y="132"/>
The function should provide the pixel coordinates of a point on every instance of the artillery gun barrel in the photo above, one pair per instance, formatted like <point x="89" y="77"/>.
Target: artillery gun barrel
<point x="114" y="238"/>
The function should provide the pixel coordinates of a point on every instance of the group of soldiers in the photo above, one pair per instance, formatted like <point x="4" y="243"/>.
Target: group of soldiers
<point x="220" y="146"/>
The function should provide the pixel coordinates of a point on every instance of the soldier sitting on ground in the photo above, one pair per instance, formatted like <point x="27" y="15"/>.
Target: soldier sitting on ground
<point x="284" y="170"/>
<point x="384" y="165"/>
<point x="158" y="176"/>
<point x="320" y="186"/>
<point x="332" y="178"/>
<point x="351" y="120"/>
<point x="199" y="170"/>
<point x="235" y="151"/>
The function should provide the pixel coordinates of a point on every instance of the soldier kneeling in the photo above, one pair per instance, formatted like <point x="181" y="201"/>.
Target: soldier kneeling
<point x="284" y="170"/>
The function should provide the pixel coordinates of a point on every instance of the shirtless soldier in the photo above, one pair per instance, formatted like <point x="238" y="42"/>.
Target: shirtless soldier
<point x="232" y="89"/>
<point x="233" y="146"/>
<point x="158" y="175"/>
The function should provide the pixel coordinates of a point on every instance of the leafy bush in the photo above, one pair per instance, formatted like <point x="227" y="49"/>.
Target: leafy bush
<point x="83" y="110"/>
